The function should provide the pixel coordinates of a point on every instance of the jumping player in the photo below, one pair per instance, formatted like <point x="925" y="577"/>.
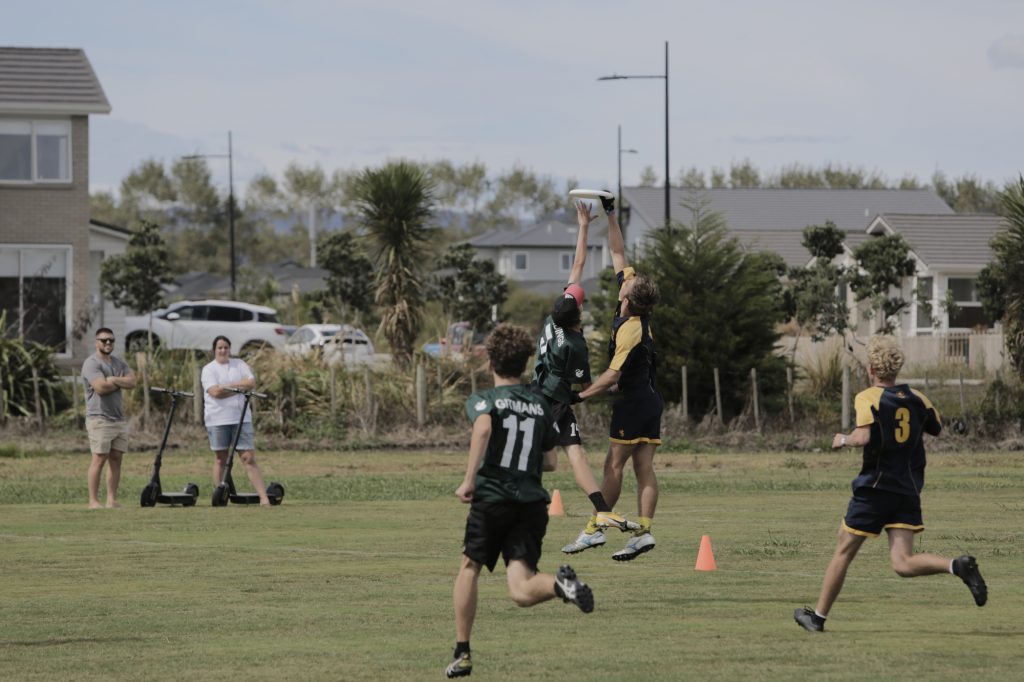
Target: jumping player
<point x="891" y="420"/>
<point x="514" y="435"/>
<point x="564" y="360"/>
<point x="636" y="416"/>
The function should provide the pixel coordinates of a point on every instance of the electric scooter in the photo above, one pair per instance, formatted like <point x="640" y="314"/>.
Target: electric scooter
<point x="225" y="491"/>
<point x="153" y="493"/>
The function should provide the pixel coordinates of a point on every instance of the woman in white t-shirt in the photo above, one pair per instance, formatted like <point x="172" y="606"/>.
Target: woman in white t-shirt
<point x="223" y="410"/>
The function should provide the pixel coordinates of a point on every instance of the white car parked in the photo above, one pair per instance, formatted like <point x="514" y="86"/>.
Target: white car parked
<point x="194" y="324"/>
<point x="333" y="342"/>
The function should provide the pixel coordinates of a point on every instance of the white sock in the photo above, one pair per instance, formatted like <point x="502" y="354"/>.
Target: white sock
<point x="819" y="615"/>
<point x="951" y="566"/>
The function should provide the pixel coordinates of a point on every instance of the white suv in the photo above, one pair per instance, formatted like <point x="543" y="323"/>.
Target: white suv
<point x="194" y="324"/>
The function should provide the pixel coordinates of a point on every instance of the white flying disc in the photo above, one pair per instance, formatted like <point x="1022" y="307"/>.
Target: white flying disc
<point x="590" y="194"/>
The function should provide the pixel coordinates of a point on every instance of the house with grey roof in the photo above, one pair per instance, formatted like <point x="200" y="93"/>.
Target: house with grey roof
<point x="539" y="258"/>
<point x="46" y="98"/>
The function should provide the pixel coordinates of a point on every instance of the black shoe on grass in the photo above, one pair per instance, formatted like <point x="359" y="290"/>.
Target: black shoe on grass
<point x="572" y="589"/>
<point x="967" y="568"/>
<point x="809" y="620"/>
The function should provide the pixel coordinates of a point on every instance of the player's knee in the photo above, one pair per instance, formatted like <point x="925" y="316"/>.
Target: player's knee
<point x="248" y="457"/>
<point x="520" y="598"/>
<point x="902" y="567"/>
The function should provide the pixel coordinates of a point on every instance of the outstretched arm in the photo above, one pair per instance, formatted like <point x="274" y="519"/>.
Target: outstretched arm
<point x="477" y="450"/>
<point x="615" y="243"/>
<point x="583" y="217"/>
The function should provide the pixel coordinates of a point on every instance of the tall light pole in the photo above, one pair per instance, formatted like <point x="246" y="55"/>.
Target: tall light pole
<point x="616" y="77"/>
<point x="231" y="202"/>
<point x="621" y="152"/>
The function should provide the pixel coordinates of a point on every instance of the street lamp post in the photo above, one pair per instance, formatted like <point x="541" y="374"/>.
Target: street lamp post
<point x="615" y="77"/>
<point x="231" y="202"/>
<point x="621" y="152"/>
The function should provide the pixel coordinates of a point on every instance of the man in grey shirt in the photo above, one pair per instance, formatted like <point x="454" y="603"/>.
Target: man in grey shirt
<point x="105" y="375"/>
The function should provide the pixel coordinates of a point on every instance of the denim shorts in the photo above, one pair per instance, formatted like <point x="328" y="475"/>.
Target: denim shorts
<point x="220" y="437"/>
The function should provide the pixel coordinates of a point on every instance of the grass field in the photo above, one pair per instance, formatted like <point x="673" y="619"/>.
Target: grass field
<point x="351" y="577"/>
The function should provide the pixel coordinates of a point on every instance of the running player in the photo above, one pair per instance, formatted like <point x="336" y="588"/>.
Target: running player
<point x="563" y="361"/>
<point x="891" y="420"/>
<point x="635" y="430"/>
<point x="514" y="435"/>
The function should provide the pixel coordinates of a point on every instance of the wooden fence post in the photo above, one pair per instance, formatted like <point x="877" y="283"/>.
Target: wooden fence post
<point x="334" y="393"/>
<point x="74" y="398"/>
<point x="197" y="395"/>
<point x="36" y="397"/>
<point x="753" y="388"/>
<point x="686" y="398"/>
<point x="472" y="379"/>
<point x="846" y="399"/>
<point x="963" y="403"/>
<point x="421" y="394"/>
<point x="143" y="362"/>
<point x="718" y="399"/>
<point x="789" y="394"/>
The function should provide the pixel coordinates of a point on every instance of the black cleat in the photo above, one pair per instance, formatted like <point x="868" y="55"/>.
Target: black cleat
<point x="462" y="666"/>
<point x="572" y="589"/>
<point x="967" y="568"/>
<point x="809" y="620"/>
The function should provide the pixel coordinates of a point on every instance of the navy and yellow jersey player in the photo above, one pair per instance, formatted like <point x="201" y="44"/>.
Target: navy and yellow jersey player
<point x="892" y="420"/>
<point x="635" y="429"/>
<point x="512" y="444"/>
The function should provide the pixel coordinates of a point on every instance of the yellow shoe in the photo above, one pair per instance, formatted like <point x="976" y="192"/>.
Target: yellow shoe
<point x="612" y="519"/>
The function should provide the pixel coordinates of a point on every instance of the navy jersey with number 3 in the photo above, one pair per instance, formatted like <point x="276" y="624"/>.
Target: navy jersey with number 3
<point x="522" y="430"/>
<point x="894" y="458"/>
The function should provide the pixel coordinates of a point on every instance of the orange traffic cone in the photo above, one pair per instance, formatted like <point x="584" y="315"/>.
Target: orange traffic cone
<point x="705" y="557"/>
<point x="556" y="508"/>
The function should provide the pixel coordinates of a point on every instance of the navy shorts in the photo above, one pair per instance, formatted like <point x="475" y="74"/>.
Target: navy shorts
<point x="637" y="419"/>
<point x="515" y="530"/>
<point x="871" y="511"/>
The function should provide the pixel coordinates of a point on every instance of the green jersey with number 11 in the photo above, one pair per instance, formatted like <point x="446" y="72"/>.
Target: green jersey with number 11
<point x="522" y="430"/>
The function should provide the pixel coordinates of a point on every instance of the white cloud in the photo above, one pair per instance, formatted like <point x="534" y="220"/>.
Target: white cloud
<point x="1007" y="52"/>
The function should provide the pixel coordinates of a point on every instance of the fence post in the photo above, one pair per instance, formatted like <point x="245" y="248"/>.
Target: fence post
<point x="789" y="394"/>
<point x="472" y="379"/>
<point x="74" y="398"/>
<point x="846" y="399"/>
<point x="142" y="361"/>
<point x="334" y="393"/>
<point x="753" y="388"/>
<point x="35" y="396"/>
<point x="368" y="386"/>
<point x="718" y="399"/>
<point x="421" y="394"/>
<point x="197" y="395"/>
<point x="963" y="403"/>
<point x="686" y="398"/>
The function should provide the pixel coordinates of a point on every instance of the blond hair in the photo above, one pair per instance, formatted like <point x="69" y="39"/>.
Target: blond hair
<point x="885" y="357"/>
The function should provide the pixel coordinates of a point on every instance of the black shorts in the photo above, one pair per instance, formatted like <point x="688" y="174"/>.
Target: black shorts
<point x="871" y="511"/>
<point x="568" y="429"/>
<point x="637" y="419"/>
<point x="513" y="529"/>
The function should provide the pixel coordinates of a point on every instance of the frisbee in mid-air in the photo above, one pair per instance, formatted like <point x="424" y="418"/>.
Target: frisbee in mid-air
<point x="590" y="194"/>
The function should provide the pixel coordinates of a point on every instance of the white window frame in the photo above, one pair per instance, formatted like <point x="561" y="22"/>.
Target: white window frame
<point x="68" y="289"/>
<point x="931" y="301"/>
<point x="515" y="261"/>
<point x="33" y="149"/>
<point x="962" y="304"/>
<point x="562" y="255"/>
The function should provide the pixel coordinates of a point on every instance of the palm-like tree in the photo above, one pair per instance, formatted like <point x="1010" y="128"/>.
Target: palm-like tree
<point x="394" y="206"/>
<point x="1001" y="282"/>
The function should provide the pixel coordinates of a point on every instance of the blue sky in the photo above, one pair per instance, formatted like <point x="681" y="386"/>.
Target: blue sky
<point x="897" y="87"/>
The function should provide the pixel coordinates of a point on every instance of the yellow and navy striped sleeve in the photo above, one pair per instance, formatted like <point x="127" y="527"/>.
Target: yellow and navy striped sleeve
<point x="932" y="428"/>
<point x="864" y="402"/>
<point x="627" y="337"/>
<point x="626" y="273"/>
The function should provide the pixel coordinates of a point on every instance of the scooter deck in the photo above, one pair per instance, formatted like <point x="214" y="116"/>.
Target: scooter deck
<point x="244" y="498"/>
<point x="184" y="499"/>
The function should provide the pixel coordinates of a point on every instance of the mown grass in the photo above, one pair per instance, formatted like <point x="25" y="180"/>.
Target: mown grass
<point x="351" y="577"/>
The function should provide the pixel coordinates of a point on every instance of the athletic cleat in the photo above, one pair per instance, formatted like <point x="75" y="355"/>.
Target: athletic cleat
<point x="610" y="519"/>
<point x="809" y="620"/>
<point x="460" y="667"/>
<point x="573" y="589"/>
<point x="637" y="545"/>
<point x="584" y="541"/>
<point x="967" y="568"/>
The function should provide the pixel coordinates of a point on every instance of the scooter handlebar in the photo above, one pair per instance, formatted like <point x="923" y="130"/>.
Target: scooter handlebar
<point x="242" y="391"/>
<point x="171" y="391"/>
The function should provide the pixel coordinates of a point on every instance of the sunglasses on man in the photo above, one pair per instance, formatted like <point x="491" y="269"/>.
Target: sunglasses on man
<point x="106" y="340"/>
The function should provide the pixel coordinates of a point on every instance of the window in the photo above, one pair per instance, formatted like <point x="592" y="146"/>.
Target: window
<point x="34" y="296"/>
<point x="969" y="313"/>
<point x="221" y="313"/>
<point x="520" y="262"/>
<point x="35" y="151"/>
<point x="565" y="261"/>
<point x="925" y="304"/>
<point x="266" y="317"/>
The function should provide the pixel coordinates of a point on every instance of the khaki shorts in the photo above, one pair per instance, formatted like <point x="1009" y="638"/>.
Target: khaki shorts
<point x="105" y="435"/>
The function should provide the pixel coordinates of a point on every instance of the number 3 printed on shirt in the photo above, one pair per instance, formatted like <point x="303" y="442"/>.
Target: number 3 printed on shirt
<point x="902" y="424"/>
